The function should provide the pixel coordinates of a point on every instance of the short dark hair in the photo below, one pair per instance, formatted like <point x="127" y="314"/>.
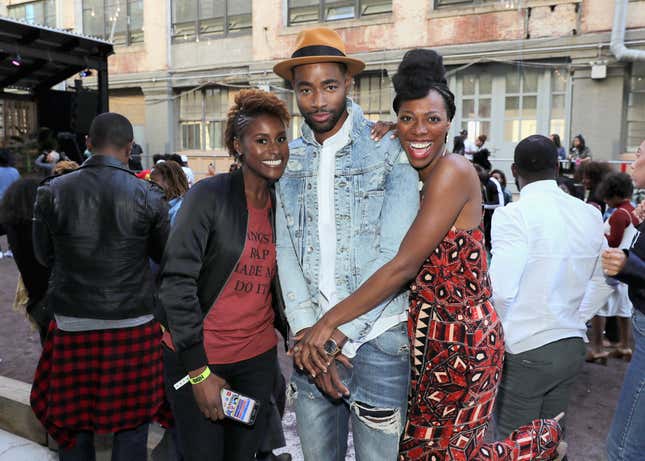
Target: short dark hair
<point x="156" y="158"/>
<point x="615" y="185"/>
<point x="536" y="156"/>
<point x="110" y="130"/>
<point x="176" y="158"/>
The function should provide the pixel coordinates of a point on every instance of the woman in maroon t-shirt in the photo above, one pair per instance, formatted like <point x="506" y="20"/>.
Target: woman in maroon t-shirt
<point x="616" y="190"/>
<point x="217" y="288"/>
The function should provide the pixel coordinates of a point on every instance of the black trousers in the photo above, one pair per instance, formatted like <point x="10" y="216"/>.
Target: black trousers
<point x="202" y="439"/>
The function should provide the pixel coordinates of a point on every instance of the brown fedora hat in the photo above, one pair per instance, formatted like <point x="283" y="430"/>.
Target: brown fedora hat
<point x="318" y="45"/>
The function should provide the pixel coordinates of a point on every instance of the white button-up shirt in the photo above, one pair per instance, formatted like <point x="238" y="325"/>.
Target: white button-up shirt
<point x="546" y="272"/>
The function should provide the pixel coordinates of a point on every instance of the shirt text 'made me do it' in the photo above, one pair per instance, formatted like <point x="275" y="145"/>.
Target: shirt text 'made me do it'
<point x="239" y="326"/>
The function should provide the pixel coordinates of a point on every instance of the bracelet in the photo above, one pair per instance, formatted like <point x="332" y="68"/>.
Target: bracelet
<point x="201" y="377"/>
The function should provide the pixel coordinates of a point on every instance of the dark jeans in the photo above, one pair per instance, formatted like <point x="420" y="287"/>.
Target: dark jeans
<point x="274" y="435"/>
<point x="129" y="445"/>
<point x="202" y="439"/>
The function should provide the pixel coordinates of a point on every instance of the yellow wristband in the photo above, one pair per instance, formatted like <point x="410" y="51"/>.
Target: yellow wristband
<point x="201" y="377"/>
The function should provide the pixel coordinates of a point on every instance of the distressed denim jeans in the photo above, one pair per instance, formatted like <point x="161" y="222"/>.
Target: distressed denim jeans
<point x="626" y="440"/>
<point x="378" y="385"/>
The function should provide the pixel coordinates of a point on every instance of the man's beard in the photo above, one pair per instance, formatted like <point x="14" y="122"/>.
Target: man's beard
<point x="329" y="124"/>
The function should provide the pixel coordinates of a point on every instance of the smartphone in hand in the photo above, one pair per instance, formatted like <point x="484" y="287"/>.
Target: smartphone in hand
<point x="239" y="407"/>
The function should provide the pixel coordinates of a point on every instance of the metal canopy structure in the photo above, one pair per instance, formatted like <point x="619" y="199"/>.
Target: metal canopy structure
<point x="35" y="58"/>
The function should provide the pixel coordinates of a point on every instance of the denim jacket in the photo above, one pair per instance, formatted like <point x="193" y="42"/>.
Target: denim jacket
<point x="376" y="199"/>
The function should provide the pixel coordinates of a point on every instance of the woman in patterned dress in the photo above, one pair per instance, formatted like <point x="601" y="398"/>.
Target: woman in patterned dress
<point x="456" y="338"/>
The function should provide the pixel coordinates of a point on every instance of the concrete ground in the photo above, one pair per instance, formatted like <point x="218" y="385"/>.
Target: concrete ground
<point x="14" y="448"/>
<point x="589" y="416"/>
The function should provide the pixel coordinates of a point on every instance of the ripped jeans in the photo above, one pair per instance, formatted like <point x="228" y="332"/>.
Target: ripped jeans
<point x="378" y="385"/>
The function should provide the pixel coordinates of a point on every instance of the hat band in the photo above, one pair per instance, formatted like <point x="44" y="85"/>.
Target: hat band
<point x="317" y="50"/>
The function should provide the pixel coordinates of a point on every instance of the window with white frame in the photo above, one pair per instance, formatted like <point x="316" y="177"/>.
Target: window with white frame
<point x="202" y="118"/>
<point x="303" y="11"/>
<point x="119" y="21"/>
<point x="372" y="93"/>
<point x="636" y="108"/>
<point x="296" y="116"/>
<point x="40" y="12"/>
<point x="191" y="119"/>
<point x="194" y="19"/>
<point x="558" y="122"/>
<point x="476" y="103"/>
<point x="520" y="104"/>
<point x="216" y="103"/>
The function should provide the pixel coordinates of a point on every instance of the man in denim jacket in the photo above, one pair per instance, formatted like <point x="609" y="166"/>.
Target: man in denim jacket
<point x="344" y="204"/>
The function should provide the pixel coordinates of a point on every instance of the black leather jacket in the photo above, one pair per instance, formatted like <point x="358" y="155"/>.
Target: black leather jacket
<point x="96" y="228"/>
<point x="205" y="244"/>
<point x="633" y="274"/>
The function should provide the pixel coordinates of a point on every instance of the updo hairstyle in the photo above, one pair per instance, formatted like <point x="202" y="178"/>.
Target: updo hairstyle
<point x="421" y="71"/>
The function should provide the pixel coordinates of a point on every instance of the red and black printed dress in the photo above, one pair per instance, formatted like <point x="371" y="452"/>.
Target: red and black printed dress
<point x="457" y="354"/>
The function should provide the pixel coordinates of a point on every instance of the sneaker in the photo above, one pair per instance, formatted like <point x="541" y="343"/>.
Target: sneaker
<point x="8" y="254"/>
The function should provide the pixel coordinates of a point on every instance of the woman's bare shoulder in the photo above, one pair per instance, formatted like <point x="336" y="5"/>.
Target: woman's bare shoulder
<point x="455" y="166"/>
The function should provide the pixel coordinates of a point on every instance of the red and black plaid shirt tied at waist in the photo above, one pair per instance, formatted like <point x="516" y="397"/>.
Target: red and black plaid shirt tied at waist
<point x="102" y="381"/>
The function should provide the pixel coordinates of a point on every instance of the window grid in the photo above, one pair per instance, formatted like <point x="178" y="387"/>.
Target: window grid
<point x="196" y="19"/>
<point x="122" y="20"/>
<point x="306" y="11"/>
<point x="202" y="118"/>
<point x="476" y="104"/>
<point x="40" y="12"/>
<point x="636" y="108"/>
<point x="453" y="3"/>
<point x="520" y="108"/>
<point x="558" y="122"/>
<point x="372" y="92"/>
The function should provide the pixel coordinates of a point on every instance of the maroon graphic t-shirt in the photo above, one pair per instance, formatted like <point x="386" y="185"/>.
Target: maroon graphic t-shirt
<point x="239" y="326"/>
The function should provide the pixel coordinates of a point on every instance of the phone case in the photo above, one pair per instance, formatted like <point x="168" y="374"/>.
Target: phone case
<point x="239" y="407"/>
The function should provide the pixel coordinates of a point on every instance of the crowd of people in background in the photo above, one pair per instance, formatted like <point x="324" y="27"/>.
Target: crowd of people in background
<point x="154" y="293"/>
